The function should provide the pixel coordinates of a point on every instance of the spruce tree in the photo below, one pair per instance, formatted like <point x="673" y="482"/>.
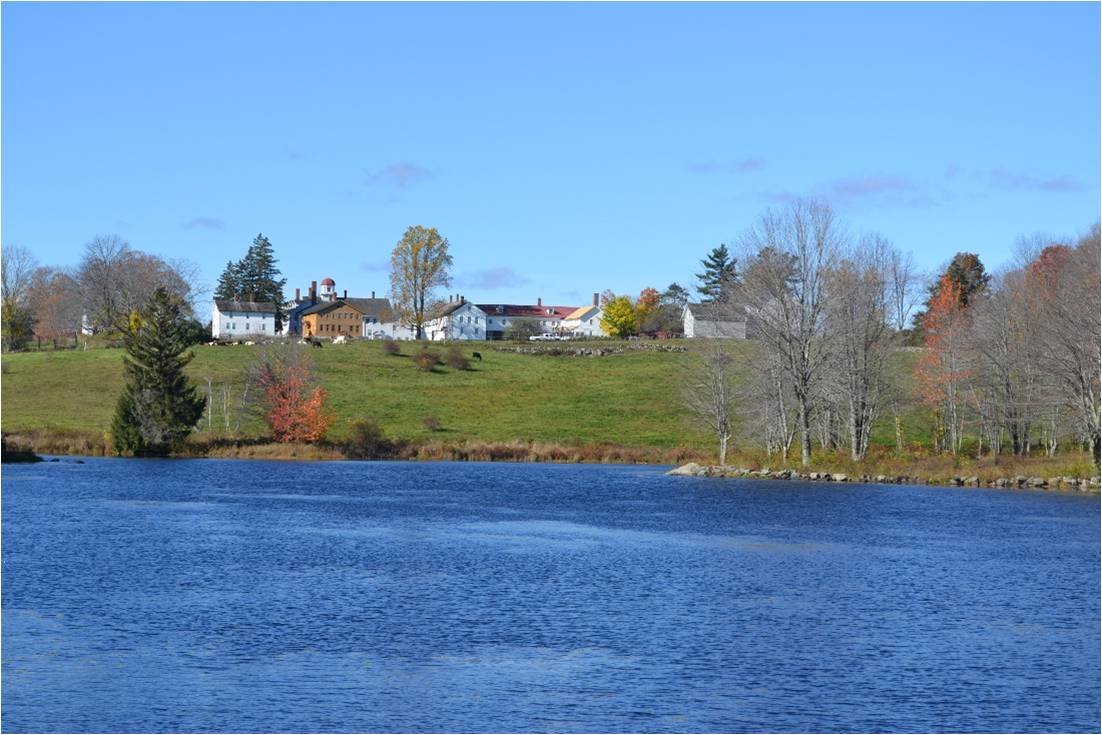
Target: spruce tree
<point x="718" y="275"/>
<point x="158" y="407"/>
<point x="229" y="283"/>
<point x="259" y="276"/>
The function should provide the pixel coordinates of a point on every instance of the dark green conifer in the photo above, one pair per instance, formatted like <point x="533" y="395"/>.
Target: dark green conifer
<point x="229" y="283"/>
<point x="259" y="277"/>
<point x="158" y="407"/>
<point x="719" y="275"/>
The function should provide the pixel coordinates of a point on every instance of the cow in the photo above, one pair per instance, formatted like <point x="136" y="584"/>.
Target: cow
<point x="477" y="356"/>
<point x="340" y="339"/>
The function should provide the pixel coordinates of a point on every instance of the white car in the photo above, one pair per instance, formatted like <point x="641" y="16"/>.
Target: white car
<point x="545" y="337"/>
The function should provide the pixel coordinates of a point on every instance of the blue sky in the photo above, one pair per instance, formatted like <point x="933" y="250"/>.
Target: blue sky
<point x="562" y="148"/>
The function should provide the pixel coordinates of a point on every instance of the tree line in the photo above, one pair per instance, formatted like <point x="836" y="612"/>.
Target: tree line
<point x="1011" y="360"/>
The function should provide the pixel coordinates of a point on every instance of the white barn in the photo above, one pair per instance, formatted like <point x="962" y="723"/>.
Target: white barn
<point x="231" y="319"/>
<point x="712" y="320"/>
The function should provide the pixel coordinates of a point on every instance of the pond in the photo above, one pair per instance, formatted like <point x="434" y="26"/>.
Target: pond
<point x="245" y="596"/>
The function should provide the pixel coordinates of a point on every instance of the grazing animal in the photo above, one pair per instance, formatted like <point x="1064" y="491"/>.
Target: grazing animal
<point x="340" y="339"/>
<point x="315" y="343"/>
<point x="477" y="356"/>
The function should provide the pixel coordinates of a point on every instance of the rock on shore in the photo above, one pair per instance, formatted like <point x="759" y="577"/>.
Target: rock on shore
<point x="1080" y="484"/>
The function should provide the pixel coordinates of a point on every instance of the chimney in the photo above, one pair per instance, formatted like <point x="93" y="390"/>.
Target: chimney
<point x="462" y="299"/>
<point x="372" y="294"/>
<point x="539" y="301"/>
<point x="451" y="298"/>
<point x="297" y="297"/>
<point x="596" y="301"/>
<point x="346" y="293"/>
<point x="313" y="292"/>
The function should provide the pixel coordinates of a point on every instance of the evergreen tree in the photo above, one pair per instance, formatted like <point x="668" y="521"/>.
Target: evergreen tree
<point x="718" y="276"/>
<point x="675" y="295"/>
<point x="259" y="276"/>
<point x="229" y="283"/>
<point x="968" y="277"/>
<point x="158" y="407"/>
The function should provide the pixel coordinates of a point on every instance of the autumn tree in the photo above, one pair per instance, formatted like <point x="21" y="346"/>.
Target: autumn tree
<point x="55" y="302"/>
<point x="159" y="406"/>
<point x="645" y="306"/>
<point x="968" y="277"/>
<point x="419" y="264"/>
<point x="619" y="317"/>
<point x="942" y="369"/>
<point x="291" y="402"/>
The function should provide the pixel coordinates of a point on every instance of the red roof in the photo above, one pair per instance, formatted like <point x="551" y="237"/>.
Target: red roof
<point x="328" y="282"/>
<point x="529" y="310"/>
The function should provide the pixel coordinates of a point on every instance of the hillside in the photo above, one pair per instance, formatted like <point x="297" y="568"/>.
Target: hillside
<point x="629" y="399"/>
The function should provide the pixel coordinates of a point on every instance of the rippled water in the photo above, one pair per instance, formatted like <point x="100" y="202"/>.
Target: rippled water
<point x="208" y="595"/>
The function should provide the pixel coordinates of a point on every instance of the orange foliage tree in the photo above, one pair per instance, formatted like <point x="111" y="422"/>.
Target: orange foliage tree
<point x="293" y="405"/>
<point x="941" y="370"/>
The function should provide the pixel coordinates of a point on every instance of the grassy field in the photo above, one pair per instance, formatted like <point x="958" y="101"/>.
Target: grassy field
<point x="628" y="399"/>
<point x="619" y="407"/>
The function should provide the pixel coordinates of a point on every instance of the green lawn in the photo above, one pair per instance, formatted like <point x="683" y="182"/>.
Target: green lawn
<point x="630" y="399"/>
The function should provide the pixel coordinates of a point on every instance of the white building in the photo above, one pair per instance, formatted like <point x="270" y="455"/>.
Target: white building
<point x="232" y="319"/>
<point x="459" y="319"/>
<point x="713" y="320"/>
<point x="585" y="321"/>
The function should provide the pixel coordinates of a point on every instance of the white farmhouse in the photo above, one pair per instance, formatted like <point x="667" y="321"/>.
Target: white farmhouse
<point x="459" y="319"/>
<point x="713" y="320"/>
<point x="585" y="321"/>
<point x="231" y="319"/>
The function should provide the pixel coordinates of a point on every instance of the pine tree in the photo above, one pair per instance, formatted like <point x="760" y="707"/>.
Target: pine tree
<point x="259" y="276"/>
<point x="158" y="407"/>
<point x="718" y="276"/>
<point x="229" y="283"/>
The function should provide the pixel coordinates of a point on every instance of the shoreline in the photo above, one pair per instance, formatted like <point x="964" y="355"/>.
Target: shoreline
<point x="1090" y="485"/>
<point x="1069" y="473"/>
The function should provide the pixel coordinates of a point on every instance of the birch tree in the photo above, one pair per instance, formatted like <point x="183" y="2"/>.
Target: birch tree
<point x="710" y="392"/>
<point x="860" y="291"/>
<point x="788" y="255"/>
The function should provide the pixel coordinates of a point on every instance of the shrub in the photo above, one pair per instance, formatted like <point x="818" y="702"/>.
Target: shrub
<point x="426" y="360"/>
<point x="456" y="360"/>
<point x="391" y="347"/>
<point x="432" y="423"/>
<point x="366" y="441"/>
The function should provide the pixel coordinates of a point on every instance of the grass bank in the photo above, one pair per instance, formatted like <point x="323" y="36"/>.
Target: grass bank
<point x="619" y="407"/>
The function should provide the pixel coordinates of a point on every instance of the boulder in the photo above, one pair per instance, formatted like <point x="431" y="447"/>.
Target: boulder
<point x="839" y="477"/>
<point x="972" y="481"/>
<point x="685" y="470"/>
<point x="1036" y="482"/>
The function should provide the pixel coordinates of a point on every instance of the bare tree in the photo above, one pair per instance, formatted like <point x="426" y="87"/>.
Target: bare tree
<point x="861" y="296"/>
<point x="904" y="283"/>
<point x="710" y="392"/>
<point x="17" y="267"/>
<point x="787" y="257"/>
<point x="115" y="280"/>
<point x="1066" y="282"/>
